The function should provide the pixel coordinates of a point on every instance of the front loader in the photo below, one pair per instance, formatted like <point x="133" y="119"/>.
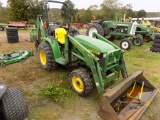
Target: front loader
<point x="146" y="31"/>
<point x="96" y="62"/>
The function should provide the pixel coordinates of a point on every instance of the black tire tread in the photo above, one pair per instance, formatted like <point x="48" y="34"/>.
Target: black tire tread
<point x="156" y="45"/>
<point x="157" y="35"/>
<point x="88" y="83"/>
<point x="156" y="40"/>
<point x="51" y="64"/>
<point x="12" y="29"/>
<point x="140" y="38"/>
<point x="12" y="33"/>
<point x="14" y="105"/>
<point x="153" y="49"/>
<point x="13" y="39"/>
<point x="98" y="27"/>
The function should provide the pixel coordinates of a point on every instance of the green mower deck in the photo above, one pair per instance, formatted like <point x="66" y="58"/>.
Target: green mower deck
<point x="15" y="56"/>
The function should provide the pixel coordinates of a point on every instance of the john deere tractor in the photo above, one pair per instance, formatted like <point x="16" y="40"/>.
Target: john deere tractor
<point x="96" y="61"/>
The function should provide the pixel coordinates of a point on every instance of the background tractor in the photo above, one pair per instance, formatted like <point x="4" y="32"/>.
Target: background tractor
<point x="113" y="29"/>
<point x="95" y="62"/>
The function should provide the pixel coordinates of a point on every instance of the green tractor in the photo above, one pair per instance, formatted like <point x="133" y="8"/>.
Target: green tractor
<point x="143" y="29"/>
<point x="96" y="61"/>
<point x="113" y="29"/>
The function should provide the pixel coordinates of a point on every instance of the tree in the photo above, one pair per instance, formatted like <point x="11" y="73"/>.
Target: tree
<point x="93" y="7"/>
<point x="72" y="10"/>
<point x="18" y="10"/>
<point x="110" y="7"/>
<point x="130" y="12"/>
<point x="87" y="16"/>
<point x="141" y="13"/>
<point x="35" y="7"/>
<point x="0" y="4"/>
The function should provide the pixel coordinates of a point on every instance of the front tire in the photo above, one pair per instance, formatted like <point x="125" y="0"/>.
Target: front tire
<point x="81" y="82"/>
<point x="46" y="57"/>
<point x="95" y="27"/>
<point x="14" y="106"/>
<point x="125" y="44"/>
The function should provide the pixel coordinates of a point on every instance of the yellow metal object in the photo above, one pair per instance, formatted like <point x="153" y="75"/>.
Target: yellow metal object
<point x="132" y="89"/>
<point x="77" y="83"/>
<point x="60" y="34"/>
<point x="139" y="98"/>
<point x="43" y="58"/>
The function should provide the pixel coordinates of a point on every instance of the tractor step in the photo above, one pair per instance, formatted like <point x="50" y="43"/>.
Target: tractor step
<point x="127" y="99"/>
<point x="61" y="60"/>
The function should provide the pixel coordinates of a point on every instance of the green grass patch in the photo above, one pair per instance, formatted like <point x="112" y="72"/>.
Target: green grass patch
<point x="56" y="92"/>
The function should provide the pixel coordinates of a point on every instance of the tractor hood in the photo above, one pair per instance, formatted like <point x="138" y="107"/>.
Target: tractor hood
<point x="94" y="44"/>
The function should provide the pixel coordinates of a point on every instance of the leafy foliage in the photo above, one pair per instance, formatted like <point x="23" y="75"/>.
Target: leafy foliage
<point x="22" y="10"/>
<point x="72" y="10"/>
<point x="56" y="92"/>
<point x="18" y="10"/>
<point x="35" y="8"/>
<point x="109" y="7"/>
<point x="88" y="16"/>
<point x="141" y="13"/>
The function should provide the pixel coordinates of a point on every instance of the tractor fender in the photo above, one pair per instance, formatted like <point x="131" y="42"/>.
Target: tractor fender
<point x="3" y="89"/>
<point x="54" y="46"/>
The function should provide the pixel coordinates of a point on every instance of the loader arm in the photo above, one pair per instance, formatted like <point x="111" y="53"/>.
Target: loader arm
<point x="122" y="64"/>
<point x="40" y="29"/>
<point x="91" y="61"/>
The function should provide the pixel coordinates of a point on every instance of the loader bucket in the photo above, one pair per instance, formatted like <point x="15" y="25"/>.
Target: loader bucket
<point x="128" y="99"/>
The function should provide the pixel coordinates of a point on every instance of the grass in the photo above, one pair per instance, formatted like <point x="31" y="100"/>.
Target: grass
<point x="31" y="78"/>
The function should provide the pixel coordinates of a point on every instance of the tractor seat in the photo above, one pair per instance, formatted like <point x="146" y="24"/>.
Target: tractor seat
<point x="60" y="34"/>
<point x="51" y="29"/>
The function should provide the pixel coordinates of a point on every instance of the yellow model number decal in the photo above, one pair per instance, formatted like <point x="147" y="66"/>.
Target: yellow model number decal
<point x="78" y="46"/>
<point x="94" y="51"/>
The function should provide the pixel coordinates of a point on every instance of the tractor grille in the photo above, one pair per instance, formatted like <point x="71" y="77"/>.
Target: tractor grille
<point x="102" y="61"/>
<point x="133" y="29"/>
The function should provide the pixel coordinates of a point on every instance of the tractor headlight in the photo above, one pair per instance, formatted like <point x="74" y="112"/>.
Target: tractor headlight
<point x="104" y="55"/>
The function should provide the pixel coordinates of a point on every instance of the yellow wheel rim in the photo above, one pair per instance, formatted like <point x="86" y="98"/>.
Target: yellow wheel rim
<point x="146" y="38"/>
<point x="43" y="57"/>
<point x="77" y="83"/>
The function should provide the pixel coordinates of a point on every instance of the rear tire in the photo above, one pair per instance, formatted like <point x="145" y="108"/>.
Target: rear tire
<point x="138" y="41"/>
<point x="95" y="27"/>
<point x="14" y="106"/>
<point x="12" y="35"/>
<point x="147" y="38"/>
<point x="13" y="39"/>
<point x="154" y="49"/>
<point x="81" y="82"/>
<point x="157" y="35"/>
<point x="125" y="44"/>
<point x="156" y="45"/>
<point x="46" y="57"/>
<point x="156" y="40"/>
